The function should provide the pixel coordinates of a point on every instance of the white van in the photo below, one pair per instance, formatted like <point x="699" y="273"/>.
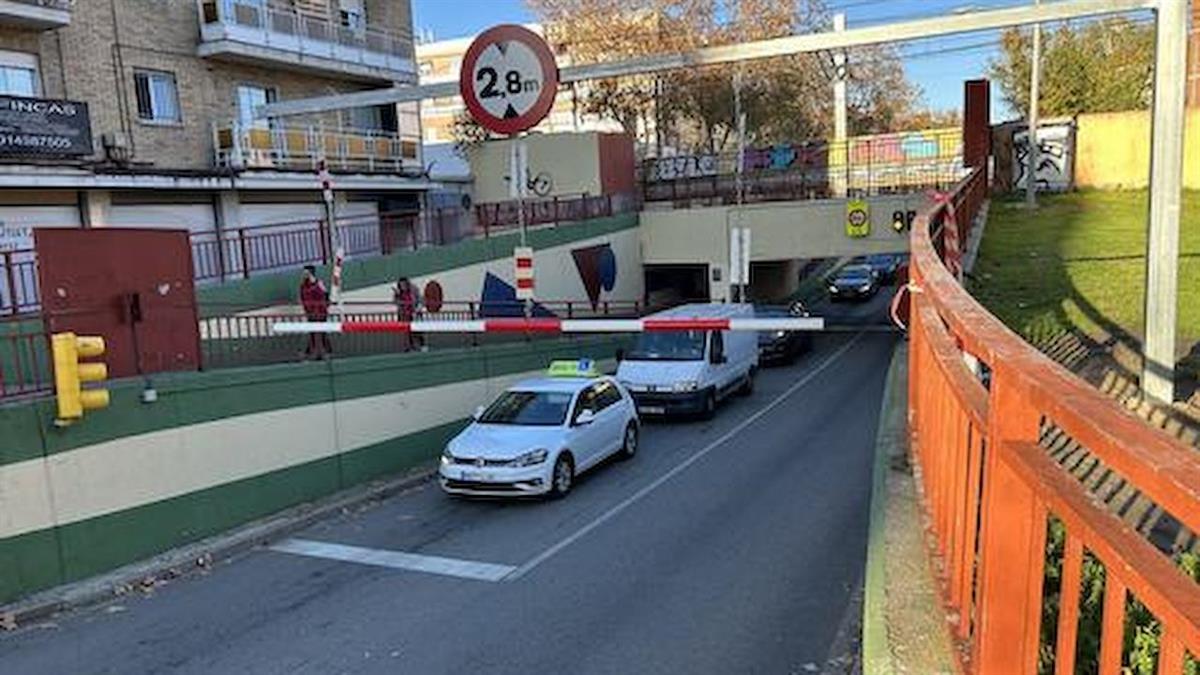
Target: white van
<point x="672" y="372"/>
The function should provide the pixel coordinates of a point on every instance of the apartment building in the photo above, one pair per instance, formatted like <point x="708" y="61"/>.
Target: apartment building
<point x="141" y="112"/>
<point x="440" y="61"/>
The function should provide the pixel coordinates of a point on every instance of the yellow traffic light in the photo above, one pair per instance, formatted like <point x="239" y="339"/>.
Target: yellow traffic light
<point x="70" y="374"/>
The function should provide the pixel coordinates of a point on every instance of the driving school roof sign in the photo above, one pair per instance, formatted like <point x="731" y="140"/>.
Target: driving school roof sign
<point x="508" y="79"/>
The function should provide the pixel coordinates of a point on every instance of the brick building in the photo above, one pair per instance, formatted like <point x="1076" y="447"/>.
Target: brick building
<point x="168" y="136"/>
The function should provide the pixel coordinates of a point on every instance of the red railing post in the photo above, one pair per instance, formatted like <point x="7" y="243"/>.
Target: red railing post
<point x="11" y="279"/>
<point x="242" y="252"/>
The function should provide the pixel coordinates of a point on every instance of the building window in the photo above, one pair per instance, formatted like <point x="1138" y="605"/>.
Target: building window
<point x="157" y="96"/>
<point x="19" y="74"/>
<point x="374" y="118"/>
<point x="250" y="97"/>
<point x="353" y="15"/>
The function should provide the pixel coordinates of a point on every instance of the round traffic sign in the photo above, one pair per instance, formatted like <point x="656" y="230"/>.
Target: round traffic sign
<point x="508" y="79"/>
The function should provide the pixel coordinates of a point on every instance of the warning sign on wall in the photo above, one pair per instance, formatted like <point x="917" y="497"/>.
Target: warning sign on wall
<point x="858" y="218"/>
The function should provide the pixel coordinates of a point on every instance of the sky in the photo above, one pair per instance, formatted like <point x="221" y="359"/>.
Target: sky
<point x="940" y="74"/>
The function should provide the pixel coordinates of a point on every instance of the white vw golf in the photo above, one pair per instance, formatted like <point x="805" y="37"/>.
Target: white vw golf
<point x="537" y="436"/>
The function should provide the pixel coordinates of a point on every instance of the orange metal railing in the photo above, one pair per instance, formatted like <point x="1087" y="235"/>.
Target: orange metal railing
<point x="979" y="398"/>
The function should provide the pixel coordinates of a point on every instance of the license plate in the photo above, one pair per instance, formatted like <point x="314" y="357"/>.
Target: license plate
<point x="477" y="475"/>
<point x="651" y="409"/>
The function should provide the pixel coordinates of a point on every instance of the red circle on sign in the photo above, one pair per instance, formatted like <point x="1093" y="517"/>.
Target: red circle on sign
<point x="433" y="296"/>
<point x="545" y="100"/>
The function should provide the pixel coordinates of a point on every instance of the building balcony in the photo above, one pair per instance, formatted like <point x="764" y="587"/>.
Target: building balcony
<point x="258" y="32"/>
<point x="296" y="148"/>
<point x="35" y="14"/>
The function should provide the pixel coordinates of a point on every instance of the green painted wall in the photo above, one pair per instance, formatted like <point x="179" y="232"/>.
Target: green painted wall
<point x="281" y="288"/>
<point x="41" y="559"/>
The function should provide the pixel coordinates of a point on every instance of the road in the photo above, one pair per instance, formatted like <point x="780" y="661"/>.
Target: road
<point x="729" y="546"/>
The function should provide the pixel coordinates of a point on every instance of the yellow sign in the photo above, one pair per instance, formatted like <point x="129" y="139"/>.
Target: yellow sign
<point x="858" y="218"/>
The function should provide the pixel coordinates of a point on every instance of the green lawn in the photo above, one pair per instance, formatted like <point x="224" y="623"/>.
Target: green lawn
<point x="1079" y="260"/>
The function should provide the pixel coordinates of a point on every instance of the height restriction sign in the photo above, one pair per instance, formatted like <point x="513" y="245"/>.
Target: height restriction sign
<point x="508" y="79"/>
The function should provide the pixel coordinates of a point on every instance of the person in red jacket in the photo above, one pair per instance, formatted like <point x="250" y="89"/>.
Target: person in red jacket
<point x="407" y="297"/>
<point x="315" y="301"/>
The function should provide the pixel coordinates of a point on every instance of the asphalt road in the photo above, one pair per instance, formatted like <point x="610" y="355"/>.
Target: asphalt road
<point x="730" y="546"/>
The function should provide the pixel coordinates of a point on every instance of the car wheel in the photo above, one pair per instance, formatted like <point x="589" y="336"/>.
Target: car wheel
<point x="710" y="406"/>
<point x="563" y="477"/>
<point x="630" y="447"/>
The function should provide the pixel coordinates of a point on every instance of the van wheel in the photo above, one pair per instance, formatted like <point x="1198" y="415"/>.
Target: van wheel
<point x="747" y="387"/>
<point x="710" y="406"/>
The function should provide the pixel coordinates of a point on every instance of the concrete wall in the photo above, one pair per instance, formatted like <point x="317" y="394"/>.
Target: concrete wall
<point x="219" y="449"/>
<point x="460" y="268"/>
<point x="1112" y="150"/>
<point x="571" y="161"/>
<point x="779" y="231"/>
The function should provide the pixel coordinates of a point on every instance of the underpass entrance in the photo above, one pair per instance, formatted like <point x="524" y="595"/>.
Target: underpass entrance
<point x="674" y="284"/>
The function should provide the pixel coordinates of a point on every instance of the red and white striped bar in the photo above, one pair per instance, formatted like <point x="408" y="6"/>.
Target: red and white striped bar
<point x="550" y="325"/>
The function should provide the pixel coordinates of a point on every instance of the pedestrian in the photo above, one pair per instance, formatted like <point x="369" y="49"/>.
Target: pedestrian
<point x="407" y="299"/>
<point x="315" y="301"/>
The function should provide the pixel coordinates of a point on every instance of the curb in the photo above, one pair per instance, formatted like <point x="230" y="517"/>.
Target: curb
<point x="201" y="556"/>
<point x="893" y="413"/>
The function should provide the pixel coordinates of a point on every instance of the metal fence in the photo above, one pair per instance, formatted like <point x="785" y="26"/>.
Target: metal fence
<point x="865" y="165"/>
<point x="25" y="368"/>
<point x="306" y="27"/>
<point x="1017" y="535"/>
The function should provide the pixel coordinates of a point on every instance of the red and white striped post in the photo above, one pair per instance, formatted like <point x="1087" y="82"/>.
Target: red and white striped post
<point x="950" y="240"/>
<point x="523" y="272"/>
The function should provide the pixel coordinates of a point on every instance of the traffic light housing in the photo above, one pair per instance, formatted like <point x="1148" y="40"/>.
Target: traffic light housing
<point x="70" y="374"/>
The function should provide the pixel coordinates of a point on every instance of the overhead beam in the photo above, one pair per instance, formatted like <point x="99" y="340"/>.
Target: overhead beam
<point x="762" y="49"/>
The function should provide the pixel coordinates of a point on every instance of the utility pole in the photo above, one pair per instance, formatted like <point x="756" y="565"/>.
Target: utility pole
<point x="840" y="131"/>
<point x="1035" y="77"/>
<point x="1166" y="183"/>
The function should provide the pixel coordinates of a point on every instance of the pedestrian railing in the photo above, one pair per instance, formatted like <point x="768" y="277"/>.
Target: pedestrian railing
<point x="18" y="282"/>
<point x="1038" y="576"/>
<point x="25" y="368"/>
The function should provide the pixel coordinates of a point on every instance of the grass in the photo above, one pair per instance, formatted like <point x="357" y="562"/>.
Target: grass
<point x="1079" y="261"/>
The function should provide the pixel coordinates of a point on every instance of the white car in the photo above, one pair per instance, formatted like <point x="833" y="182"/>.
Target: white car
<point x="538" y="435"/>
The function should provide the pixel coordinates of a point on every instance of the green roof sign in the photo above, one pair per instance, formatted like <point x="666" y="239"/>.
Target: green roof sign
<point x="578" y="368"/>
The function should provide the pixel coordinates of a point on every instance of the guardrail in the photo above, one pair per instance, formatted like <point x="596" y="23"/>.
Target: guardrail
<point x="865" y="165"/>
<point x="981" y="401"/>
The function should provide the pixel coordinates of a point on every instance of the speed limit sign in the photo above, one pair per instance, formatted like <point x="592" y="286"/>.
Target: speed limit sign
<point x="508" y="79"/>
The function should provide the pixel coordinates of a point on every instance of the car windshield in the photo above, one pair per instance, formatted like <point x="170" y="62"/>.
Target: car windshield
<point x="854" y="274"/>
<point x="528" y="408"/>
<point x="668" y="346"/>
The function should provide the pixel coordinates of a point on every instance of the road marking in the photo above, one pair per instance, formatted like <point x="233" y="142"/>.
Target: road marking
<point x="630" y="500"/>
<point x="449" y="567"/>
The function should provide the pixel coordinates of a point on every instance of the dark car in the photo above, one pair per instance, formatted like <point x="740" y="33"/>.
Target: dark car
<point x="885" y="265"/>
<point x="854" y="282"/>
<point x="782" y="346"/>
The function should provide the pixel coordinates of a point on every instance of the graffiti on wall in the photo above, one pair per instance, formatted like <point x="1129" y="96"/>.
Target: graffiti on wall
<point x="1056" y="150"/>
<point x="597" y="267"/>
<point x="689" y="166"/>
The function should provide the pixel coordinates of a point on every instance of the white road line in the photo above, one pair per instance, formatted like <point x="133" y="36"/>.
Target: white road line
<point x="629" y="501"/>
<point x="450" y="567"/>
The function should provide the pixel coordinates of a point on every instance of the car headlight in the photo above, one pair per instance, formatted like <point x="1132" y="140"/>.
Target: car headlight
<point x="833" y="289"/>
<point x="781" y="333"/>
<point x="447" y="457"/>
<point x="531" y="458"/>
<point x="686" y="385"/>
<point x="865" y="287"/>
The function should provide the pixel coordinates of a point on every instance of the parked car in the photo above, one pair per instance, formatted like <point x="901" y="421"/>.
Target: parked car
<point x="782" y="346"/>
<point x="854" y="282"/>
<point x="541" y="433"/>
<point x="673" y="372"/>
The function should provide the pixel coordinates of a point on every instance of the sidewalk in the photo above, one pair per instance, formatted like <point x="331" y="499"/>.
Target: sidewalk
<point x="904" y="626"/>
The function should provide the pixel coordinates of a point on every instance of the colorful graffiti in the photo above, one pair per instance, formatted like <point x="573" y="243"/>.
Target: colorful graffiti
<point x="597" y="266"/>
<point x="499" y="299"/>
<point x="903" y="148"/>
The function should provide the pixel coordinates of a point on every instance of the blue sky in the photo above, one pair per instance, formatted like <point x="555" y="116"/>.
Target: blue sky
<point x="940" y="75"/>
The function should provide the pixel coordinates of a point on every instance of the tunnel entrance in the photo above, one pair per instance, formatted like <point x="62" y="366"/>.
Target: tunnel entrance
<point x="672" y="284"/>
